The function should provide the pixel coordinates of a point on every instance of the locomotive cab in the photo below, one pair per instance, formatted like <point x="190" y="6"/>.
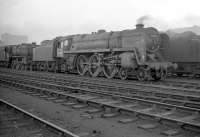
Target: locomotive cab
<point x="59" y="48"/>
<point x="60" y="45"/>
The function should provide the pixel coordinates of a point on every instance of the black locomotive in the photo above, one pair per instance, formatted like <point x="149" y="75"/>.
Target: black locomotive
<point x="112" y="54"/>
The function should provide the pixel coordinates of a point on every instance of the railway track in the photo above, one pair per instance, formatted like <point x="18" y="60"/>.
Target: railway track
<point x="15" y="121"/>
<point x="171" y="96"/>
<point x="175" y="84"/>
<point x="185" y="117"/>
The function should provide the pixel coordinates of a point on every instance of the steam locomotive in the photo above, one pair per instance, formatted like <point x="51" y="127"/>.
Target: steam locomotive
<point x="112" y="54"/>
<point x="17" y="56"/>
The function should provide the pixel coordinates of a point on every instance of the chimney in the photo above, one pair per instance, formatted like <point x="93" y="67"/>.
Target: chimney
<point x="139" y="26"/>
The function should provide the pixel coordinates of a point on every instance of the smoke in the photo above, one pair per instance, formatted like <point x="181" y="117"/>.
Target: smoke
<point x="144" y="19"/>
<point x="188" y="20"/>
<point x="150" y="21"/>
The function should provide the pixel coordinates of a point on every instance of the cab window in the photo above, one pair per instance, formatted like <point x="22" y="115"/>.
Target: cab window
<point x="57" y="44"/>
<point x="60" y="45"/>
<point x="66" y="43"/>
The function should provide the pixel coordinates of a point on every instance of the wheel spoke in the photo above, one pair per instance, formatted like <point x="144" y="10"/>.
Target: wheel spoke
<point x="109" y="70"/>
<point x="142" y="74"/>
<point x="94" y="66"/>
<point x="81" y="64"/>
<point x="123" y="73"/>
<point x="157" y="74"/>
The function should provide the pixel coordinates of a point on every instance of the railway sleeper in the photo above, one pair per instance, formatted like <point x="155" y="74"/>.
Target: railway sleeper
<point x="194" y="97"/>
<point x="168" y="95"/>
<point x="32" y="119"/>
<point x="139" y="112"/>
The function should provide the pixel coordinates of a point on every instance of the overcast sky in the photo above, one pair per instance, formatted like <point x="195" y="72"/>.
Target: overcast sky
<point x="45" y="19"/>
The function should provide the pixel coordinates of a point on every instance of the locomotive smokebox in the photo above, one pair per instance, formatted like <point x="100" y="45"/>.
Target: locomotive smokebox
<point x="139" y="26"/>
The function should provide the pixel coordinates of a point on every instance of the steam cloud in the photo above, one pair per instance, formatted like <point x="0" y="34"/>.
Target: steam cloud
<point x="150" y="21"/>
<point x="144" y="19"/>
